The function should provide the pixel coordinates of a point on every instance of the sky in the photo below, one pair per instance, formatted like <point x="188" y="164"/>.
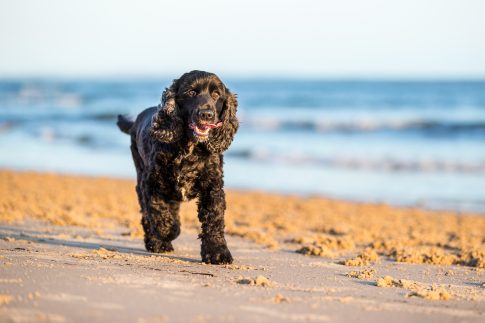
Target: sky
<point x="250" y="38"/>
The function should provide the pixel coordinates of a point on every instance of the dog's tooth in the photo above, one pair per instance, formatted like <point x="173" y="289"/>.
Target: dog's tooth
<point x="201" y="132"/>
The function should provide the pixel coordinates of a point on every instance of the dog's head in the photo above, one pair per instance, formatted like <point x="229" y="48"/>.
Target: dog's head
<point x="200" y="107"/>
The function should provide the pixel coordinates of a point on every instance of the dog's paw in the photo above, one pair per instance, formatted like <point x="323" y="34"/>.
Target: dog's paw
<point x="159" y="246"/>
<point x="216" y="255"/>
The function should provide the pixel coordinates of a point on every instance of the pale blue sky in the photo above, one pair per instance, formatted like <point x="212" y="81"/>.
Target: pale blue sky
<point x="324" y="39"/>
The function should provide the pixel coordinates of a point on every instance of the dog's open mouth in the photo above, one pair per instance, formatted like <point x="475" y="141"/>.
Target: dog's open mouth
<point x="202" y="130"/>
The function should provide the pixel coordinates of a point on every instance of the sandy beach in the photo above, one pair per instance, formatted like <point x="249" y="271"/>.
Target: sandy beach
<point x="72" y="250"/>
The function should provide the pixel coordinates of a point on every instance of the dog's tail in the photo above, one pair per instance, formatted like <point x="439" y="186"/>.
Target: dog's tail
<point x="124" y="124"/>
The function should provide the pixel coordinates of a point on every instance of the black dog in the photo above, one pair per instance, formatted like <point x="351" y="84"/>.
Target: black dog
<point x="177" y="149"/>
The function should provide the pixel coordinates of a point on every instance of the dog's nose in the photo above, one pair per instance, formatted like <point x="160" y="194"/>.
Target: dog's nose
<point x="206" y="114"/>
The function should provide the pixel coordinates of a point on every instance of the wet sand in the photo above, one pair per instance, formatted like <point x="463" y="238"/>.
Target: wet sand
<point x="71" y="249"/>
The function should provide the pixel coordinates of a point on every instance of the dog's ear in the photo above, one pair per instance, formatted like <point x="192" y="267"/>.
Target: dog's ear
<point x="167" y="126"/>
<point x="222" y="137"/>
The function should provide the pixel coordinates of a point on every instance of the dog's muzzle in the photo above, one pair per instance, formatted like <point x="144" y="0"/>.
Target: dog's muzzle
<point x="201" y="131"/>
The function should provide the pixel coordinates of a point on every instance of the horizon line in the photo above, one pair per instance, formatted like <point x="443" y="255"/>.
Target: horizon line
<point x="243" y="77"/>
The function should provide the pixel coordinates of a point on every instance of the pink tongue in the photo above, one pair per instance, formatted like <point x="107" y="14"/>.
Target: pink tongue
<point x="212" y="126"/>
<point x="206" y="126"/>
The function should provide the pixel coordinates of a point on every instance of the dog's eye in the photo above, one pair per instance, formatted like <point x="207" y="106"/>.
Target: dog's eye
<point x="191" y="93"/>
<point x="215" y="95"/>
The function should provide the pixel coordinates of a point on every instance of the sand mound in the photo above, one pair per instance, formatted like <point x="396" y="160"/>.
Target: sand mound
<point x="5" y="299"/>
<point x="256" y="281"/>
<point x="417" y="289"/>
<point x="363" y="259"/>
<point x="434" y="294"/>
<point x="363" y="274"/>
<point x="316" y="250"/>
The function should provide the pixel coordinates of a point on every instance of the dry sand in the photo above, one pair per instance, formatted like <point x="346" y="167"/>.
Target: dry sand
<point x="71" y="250"/>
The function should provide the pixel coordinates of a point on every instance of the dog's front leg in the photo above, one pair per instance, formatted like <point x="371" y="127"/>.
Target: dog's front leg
<point x="211" y="207"/>
<point x="161" y="224"/>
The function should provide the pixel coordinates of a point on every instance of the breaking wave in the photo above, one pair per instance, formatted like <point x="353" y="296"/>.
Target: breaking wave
<point x="439" y="127"/>
<point x="389" y="165"/>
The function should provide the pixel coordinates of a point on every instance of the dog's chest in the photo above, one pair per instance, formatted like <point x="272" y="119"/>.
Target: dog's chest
<point x="187" y="173"/>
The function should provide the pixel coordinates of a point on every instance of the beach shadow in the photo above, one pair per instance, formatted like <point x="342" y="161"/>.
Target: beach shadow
<point x="290" y="251"/>
<point x="363" y="282"/>
<point x="474" y="284"/>
<point x="21" y="233"/>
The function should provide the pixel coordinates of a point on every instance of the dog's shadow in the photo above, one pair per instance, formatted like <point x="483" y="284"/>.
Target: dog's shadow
<point x="20" y="233"/>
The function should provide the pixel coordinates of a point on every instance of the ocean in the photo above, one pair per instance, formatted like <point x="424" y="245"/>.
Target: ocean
<point x="407" y="143"/>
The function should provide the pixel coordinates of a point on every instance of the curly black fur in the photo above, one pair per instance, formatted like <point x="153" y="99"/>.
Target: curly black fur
<point x="177" y="150"/>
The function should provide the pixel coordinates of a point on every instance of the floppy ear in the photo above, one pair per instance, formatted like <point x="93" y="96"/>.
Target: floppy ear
<point x="222" y="137"/>
<point x="167" y="126"/>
